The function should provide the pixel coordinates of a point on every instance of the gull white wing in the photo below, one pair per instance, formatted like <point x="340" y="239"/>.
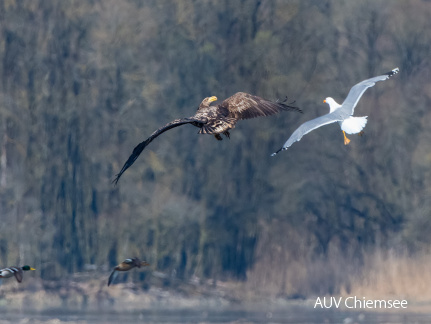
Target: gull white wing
<point x="308" y="126"/>
<point x="358" y="90"/>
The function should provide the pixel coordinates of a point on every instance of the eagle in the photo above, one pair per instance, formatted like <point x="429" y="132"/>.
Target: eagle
<point x="217" y="119"/>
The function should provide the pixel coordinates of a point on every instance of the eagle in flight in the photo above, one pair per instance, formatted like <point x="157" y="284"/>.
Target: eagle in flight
<point x="217" y="119"/>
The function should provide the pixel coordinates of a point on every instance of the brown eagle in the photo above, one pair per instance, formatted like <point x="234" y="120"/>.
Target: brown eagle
<point x="218" y="119"/>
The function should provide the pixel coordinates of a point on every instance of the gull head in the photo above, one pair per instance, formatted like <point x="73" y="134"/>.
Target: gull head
<point x="333" y="105"/>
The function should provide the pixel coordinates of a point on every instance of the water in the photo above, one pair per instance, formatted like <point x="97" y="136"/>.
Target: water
<point x="297" y="315"/>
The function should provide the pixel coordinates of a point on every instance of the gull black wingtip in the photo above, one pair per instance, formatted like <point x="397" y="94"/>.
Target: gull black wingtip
<point x="275" y="153"/>
<point x="393" y="72"/>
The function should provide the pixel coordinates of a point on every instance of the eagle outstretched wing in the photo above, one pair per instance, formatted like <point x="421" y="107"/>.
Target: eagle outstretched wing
<point x="245" y="106"/>
<point x="141" y="146"/>
<point x="358" y="90"/>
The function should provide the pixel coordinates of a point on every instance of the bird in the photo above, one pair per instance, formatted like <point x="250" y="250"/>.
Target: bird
<point x="343" y="114"/>
<point x="14" y="271"/>
<point x="126" y="265"/>
<point x="217" y="119"/>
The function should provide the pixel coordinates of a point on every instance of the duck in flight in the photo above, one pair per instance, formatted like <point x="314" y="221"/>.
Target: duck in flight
<point x="343" y="114"/>
<point x="217" y="119"/>
<point x="126" y="265"/>
<point x="14" y="271"/>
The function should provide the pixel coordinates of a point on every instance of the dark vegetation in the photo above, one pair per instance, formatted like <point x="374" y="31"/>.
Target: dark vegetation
<point x="82" y="82"/>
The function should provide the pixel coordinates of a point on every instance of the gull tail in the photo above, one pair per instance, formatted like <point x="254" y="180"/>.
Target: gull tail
<point x="354" y="125"/>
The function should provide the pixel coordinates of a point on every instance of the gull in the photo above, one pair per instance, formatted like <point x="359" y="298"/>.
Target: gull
<point x="343" y="114"/>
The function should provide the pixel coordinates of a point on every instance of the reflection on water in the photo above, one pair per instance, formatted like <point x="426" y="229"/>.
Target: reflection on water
<point x="290" y="315"/>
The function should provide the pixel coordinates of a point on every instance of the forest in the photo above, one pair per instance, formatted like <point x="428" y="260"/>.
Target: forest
<point x="84" y="81"/>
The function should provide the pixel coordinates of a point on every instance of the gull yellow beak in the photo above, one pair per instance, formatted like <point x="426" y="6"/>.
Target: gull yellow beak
<point x="213" y="98"/>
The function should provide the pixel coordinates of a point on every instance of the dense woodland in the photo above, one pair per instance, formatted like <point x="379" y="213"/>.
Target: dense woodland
<point x="82" y="82"/>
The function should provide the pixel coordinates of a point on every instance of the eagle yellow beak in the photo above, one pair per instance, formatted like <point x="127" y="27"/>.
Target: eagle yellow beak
<point x="324" y="101"/>
<point x="213" y="98"/>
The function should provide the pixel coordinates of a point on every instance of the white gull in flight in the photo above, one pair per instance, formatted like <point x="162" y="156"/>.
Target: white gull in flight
<point x="340" y="113"/>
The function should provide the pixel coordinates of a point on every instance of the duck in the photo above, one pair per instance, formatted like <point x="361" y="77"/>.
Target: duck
<point x="126" y="265"/>
<point x="15" y="271"/>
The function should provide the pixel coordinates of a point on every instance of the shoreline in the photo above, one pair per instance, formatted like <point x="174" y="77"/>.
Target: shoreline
<point x="95" y="296"/>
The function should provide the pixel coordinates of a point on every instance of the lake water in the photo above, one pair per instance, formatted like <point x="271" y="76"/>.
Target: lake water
<point x="292" y="315"/>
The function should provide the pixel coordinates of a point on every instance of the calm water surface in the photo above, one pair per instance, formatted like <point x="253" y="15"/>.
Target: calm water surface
<point x="291" y="315"/>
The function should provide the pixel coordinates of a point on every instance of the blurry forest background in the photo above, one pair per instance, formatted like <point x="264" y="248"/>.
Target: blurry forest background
<point x="82" y="82"/>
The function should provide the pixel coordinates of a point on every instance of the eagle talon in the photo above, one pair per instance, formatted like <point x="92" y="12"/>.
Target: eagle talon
<point x="218" y="137"/>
